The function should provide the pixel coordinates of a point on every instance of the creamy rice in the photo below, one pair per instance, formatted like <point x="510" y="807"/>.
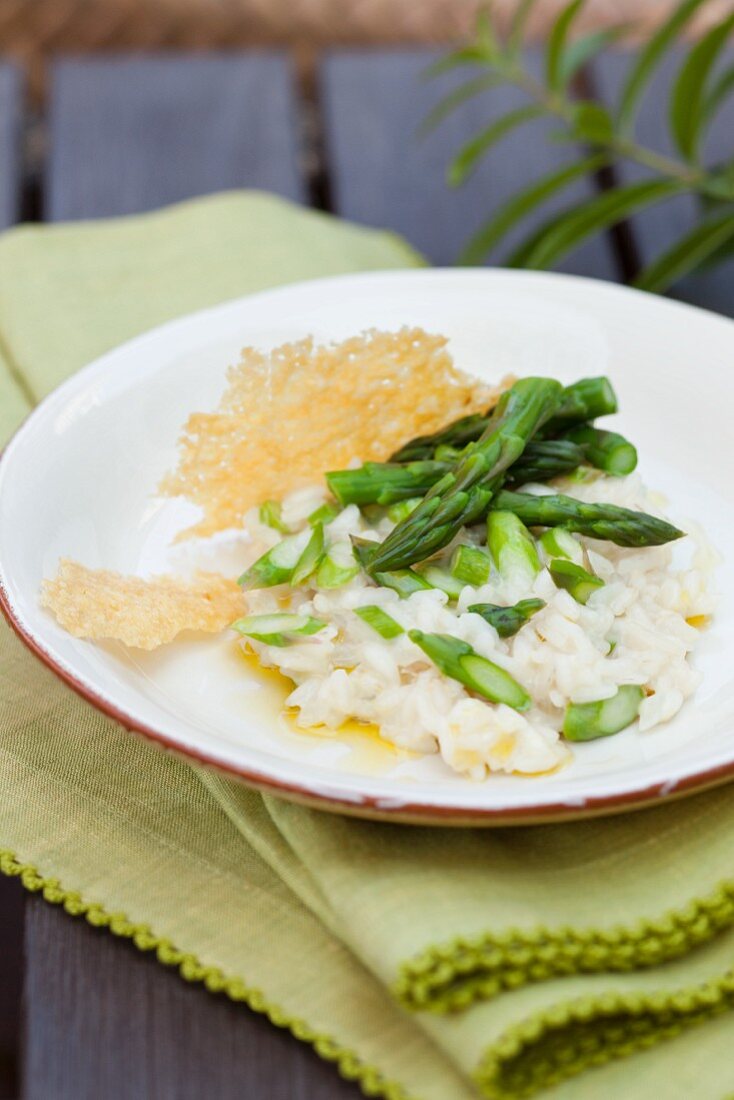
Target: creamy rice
<point x="634" y="630"/>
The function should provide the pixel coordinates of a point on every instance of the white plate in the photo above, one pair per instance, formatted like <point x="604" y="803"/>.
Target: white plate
<point x="79" y="480"/>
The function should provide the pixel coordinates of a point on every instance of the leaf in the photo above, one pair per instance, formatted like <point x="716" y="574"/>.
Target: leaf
<point x="580" y="52"/>
<point x="523" y="203"/>
<point x="687" y="254"/>
<point x="718" y="94"/>
<point x="592" y="122"/>
<point x="468" y="157"/>
<point x="516" y="34"/>
<point x="486" y="38"/>
<point x="454" y="99"/>
<point x="647" y="60"/>
<point x="557" y="44"/>
<point x="467" y="55"/>
<point x="564" y="232"/>
<point x="688" y="96"/>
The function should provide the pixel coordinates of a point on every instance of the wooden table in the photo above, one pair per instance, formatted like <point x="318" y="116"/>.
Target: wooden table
<point x="100" y="1021"/>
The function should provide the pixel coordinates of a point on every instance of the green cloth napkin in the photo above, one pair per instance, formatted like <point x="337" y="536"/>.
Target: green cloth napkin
<point x="429" y="964"/>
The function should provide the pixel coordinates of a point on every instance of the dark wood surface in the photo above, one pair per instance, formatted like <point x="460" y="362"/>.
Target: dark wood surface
<point x="129" y="134"/>
<point x="125" y="135"/>
<point x="383" y="171"/>
<point x="10" y="135"/>
<point x="105" y="1022"/>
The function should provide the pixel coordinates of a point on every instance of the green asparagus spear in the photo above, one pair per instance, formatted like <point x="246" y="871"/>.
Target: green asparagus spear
<point x="325" y="513"/>
<point x="582" y="401"/>
<point x="402" y="509"/>
<point x="512" y="549"/>
<point x="458" y="660"/>
<point x="462" y="496"/>
<point x="380" y="621"/>
<point x="337" y="567"/>
<point x="507" y="620"/>
<point x="557" y="542"/>
<point x="608" y="451"/>
<point x="587" y="721"/>
<point x="279" y="629"/>
<point x="471" y="565"/>
<point x="277" y="564"/>
<point x="457" y="434"/>
<point x="385" y="482"/>
<point x="576" y="580"/>
<point x="544" y="459"/>
<point x="311" y="557"/>
<point x="599" y="521"/>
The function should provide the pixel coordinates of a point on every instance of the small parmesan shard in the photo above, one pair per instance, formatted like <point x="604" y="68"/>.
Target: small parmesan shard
<point x="290" y="415"/>
<point x="96" y="603"/>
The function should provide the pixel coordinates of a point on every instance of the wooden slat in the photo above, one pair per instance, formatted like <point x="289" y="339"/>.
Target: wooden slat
<point x="10" y="137"/>
<point x="658" y="228"/>
<point x="383" y="173"/>
<point x="105" y="1021"/>
<point x="131" y="134"/>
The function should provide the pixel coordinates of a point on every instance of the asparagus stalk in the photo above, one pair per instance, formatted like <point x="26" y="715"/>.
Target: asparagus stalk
<point x="544" y="459"/>
<point x="512" y="549"/>
<point x="608" y="451"/>
<point x="325" y="513"/>
<point x="443" y="580"/>
<point x="279" y="629"/>
<point x="587" y="721"/>
<point x="385" y="482"/>
<point x="507" y="620"/>
<point x="582" y="401"/>
<point x="380" y="621"/>
<point x="458" y="660"/>
<point x="403" y="581"/>
<point x="402" y="509"/>
<point x="337" y="567"/>
<point x="576" y="580"/>
<point x="557" y="542"/>
<point x="471" y="565"/>
<point x="462" y="496"/>
<point x="599" y="521"/>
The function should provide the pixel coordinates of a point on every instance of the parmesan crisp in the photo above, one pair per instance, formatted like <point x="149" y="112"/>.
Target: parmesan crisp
<point x="288" y="416"/>
<point x="95" y="603"/>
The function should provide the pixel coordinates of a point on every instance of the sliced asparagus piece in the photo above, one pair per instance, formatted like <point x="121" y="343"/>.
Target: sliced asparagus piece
<point x="507" y="620"/>
<point x="457" y="434"/>
<point x="278" y="629"/>
<point x="277" y="564"/>
<point x="462" y="496"/>
<point x="587" y="721"/>
<point x="442" y="579"/>
<point x="512" y="549"/>
<point x="380" y="621"/>
<point x="599" y="521"/>
<point x="403" y="581"/>
<point x="325" y="513"/>
<point x="271" y="514"/>
<point x="337" y="567"/>
<point x="458" y="660"/>
<point x="608" y="451"/>
<point x="311" y="557"/>
<point x="576" y="580"/>
<point x="471" y="565"/>
<point x="557" y="542"/>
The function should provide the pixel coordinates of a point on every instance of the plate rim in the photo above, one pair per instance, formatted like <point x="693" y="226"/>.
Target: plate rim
<point x="320" y="794"/>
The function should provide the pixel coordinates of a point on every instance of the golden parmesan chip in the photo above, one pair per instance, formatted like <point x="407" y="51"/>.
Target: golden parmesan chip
<point x="94" y="603"/>
<point x="290" y="415"/>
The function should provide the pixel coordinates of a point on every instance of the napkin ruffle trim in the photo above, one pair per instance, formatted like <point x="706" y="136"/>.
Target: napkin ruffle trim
<point x="453" y="976"/>
<point x="349" y="1065"/>
<point x="557" y="1044"/>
